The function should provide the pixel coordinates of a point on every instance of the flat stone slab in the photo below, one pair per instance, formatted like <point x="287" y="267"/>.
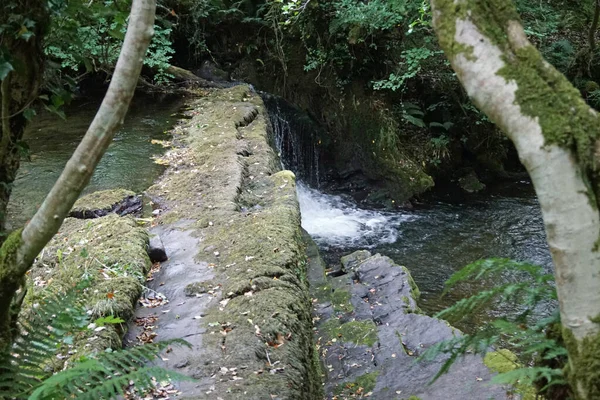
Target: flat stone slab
<point x="372" y="345"/>
<point x="235" y="280"/>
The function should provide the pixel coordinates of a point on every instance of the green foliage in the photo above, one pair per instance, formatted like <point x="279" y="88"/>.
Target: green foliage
<point x="49" y="328"/>
<point x="537" y="348"/>
<point x="360" y="20"/>
<point x="86" y="37"/>
<point x="409" y="68"/>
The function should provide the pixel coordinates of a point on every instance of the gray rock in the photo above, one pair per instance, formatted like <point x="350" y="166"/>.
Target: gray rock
<point x="383" y="293"/>
<point x="156" y="249"/>
<point x="352" y="260"/>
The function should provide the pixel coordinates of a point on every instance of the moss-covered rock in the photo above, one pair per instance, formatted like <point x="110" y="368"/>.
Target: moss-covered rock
<point x="110" y="253"/>
<point x="99" y="204"/>
<point x="357" y="332"/>
<point x="223" y="185"/>
<point x="359" y="387"/>
<point x="470" y="183"/>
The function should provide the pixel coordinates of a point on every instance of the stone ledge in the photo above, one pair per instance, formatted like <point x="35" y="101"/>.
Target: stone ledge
<point x="236" y="268"/>
<point x="111" y="253"/>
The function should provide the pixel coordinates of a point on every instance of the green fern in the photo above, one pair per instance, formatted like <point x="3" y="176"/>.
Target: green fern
<point x="538" y="350"/>
<point x="26" y="371"/>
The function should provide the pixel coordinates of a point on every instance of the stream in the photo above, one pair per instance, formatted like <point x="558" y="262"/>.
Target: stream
<point x="127" y="163"/>
<point x="433" y="241"/>
<point x="436" y="239"/>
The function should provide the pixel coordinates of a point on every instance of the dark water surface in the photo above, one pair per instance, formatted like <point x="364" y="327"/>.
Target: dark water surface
<point x="126" y="164"/>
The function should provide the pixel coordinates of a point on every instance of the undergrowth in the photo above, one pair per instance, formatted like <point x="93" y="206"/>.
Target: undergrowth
<point x="47" y="329"/>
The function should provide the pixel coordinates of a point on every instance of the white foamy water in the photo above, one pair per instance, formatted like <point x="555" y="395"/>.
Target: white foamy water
<point x="333" y="221"/>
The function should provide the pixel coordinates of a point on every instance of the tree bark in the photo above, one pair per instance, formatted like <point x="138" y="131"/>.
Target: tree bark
<point x="556" y="135"/>
<point x="20" y="88"/>
<point x="19" y="251"/>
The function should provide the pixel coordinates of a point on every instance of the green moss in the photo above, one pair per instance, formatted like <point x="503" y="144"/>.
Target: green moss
<point x="361" y="385"/>
<point x="583" y="368"/>
<point x="108" y="251"/>
<point x="195" y="288"/>
<point x="544" y="93"/>
<point x="102" y="200"/>
<point x="339" y="298"/>
<point x="501" y="361"/>
<point x="357" y="332"/>
<point x="491" y="17"/>
<point x="591" y="86"/>
<point x="414" y="289"/>
<point x="8" y="253"/>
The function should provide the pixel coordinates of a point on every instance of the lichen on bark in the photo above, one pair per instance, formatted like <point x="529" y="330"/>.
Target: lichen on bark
<point x="583" y="369"/>
<point x="10" y="282"/>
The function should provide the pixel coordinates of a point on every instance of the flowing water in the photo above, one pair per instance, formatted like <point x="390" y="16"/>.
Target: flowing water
<point x="126" y="164"/>
<point x="434" y="240"/>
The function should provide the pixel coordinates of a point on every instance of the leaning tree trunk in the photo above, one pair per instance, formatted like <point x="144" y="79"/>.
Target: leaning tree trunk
<point x="20" y="249"/>
<point x="20" y="87"/>
<point x="556" y="135"/>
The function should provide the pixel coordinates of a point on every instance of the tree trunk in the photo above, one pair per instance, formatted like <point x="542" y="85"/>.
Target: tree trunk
<point x="556" y="135"/>
<point x="20" y="87"/>
<point x="20" y="249"/>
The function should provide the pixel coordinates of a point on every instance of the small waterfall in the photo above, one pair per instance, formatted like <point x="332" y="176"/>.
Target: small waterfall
<point x="332" y="221"/>
<point x="336" y="222"/>
<point x="296" y="139"/>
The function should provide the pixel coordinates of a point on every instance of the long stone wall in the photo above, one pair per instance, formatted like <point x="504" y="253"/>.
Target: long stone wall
<point x="235" y="282"/>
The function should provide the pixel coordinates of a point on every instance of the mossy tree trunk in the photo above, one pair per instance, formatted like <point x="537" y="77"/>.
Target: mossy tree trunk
<point x="25" y="23"/>
<point x="556" y="135"/>
<point x="19" y="251"/>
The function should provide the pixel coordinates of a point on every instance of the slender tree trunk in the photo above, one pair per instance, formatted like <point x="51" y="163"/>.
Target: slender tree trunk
<point x="20" y="249"/>
<point x="556" y="135"/>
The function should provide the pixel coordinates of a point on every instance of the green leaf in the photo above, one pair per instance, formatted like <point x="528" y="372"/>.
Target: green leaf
<point x="5" y="68"/>
<point x="29" y="113"/>
<point x="110" y="319"/>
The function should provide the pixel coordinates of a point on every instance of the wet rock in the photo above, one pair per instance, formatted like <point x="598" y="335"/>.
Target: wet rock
<point x="350" y="261"/>
<point x="375" y="343"/>
<point x="99" y="204"/>
<point x="156" y="249"/>
<point x="470" y="183"/>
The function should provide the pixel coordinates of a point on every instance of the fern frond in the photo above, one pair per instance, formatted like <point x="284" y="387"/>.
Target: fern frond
<point x="108" y="374"/>
<point x="492" y="267"/>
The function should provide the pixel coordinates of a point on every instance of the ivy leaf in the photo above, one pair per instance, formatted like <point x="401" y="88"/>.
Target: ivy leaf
<point x="29" y="113"/>
<point x="5" y="68"/>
